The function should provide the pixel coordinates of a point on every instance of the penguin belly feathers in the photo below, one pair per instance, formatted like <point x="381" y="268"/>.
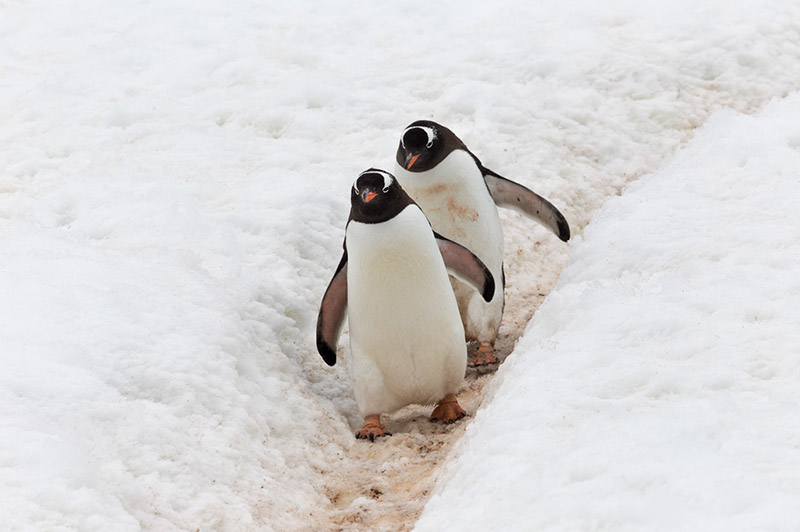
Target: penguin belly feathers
<point x="406" y="336"/>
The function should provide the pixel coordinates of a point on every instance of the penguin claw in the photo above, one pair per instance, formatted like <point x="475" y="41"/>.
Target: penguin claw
<point x="448" y="410"/>
<point x="484" y="357"/>
<point x="372" y="429"/>
<point x="449" y="421"/>
<point x="370" y="434"/>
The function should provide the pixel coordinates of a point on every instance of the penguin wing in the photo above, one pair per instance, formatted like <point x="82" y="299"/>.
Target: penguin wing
<point x="332" y="311"/>
<point x="507" y="193"/>
<point x="462" y="264"/>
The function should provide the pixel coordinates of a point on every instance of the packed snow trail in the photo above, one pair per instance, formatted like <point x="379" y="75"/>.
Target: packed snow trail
<point x="173" y="191"/>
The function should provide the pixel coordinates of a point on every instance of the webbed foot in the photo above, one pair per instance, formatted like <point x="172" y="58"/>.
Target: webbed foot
<point x="372" y="428"/>
<point x="448" y="410"/>
<point x="483" y="357"/>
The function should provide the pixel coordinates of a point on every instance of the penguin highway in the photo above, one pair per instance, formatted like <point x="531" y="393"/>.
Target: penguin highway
<point x="460" y="197"/>
<point x="406" y="337"/>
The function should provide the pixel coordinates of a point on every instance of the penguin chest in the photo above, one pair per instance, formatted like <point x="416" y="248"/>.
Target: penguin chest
<point x="402" y="312"/>
<point x="450" y="208"/>
<point x="455" y="199"/>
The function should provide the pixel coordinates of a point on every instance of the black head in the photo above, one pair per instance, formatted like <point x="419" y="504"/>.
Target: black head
<point x="376" y="197"/>
<point x="424" y="144"/>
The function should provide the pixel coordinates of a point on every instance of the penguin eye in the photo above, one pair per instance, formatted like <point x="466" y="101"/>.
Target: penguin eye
<point x="429" y="145"/>
<point x="385" y="190"/>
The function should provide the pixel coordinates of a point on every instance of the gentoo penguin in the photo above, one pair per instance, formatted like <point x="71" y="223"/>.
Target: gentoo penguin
<point x="406" y="337"/>
<point x="460" y="197"/>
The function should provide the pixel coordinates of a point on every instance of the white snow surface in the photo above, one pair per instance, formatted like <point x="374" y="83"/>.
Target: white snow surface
<point x="174" y="183"/>
<point x="656" y="388"/>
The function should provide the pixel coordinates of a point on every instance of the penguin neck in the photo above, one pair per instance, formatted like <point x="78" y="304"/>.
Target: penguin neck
<point x="457" y="202"/>
<point x="457" y="171"/>
<point x="392" y="246"/>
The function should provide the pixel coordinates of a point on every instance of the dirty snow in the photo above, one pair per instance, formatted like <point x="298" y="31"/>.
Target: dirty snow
<point x="173" y="190"/>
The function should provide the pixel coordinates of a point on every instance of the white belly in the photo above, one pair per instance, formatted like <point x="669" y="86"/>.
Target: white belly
<point x="455" y="199"/>
<point x="406" y="337"/>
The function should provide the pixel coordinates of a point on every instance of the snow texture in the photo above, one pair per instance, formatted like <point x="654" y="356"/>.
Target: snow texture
<point x="174" y="181"/>
<point x="657" y="387"/>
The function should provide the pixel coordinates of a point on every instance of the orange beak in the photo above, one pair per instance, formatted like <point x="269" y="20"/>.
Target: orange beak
<point x="411" y="160"/>
<point x="368" y="196"/>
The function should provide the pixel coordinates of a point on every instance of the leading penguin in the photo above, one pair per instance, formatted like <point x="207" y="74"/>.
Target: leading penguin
<point x="460" y="197"/>
<point x="406" y="337"/>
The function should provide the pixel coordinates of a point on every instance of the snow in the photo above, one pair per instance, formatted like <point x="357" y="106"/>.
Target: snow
<point x="174" y="185"/>
<point x="656" y="387"/>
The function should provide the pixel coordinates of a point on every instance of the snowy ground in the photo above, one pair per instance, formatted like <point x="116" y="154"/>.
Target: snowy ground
<point x="173" y="192"/>
<point x="657" y="388"/>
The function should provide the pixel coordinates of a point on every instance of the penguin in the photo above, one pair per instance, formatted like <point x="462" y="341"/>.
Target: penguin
<point x="460" y="197"/>
<point x="406" y="336"/>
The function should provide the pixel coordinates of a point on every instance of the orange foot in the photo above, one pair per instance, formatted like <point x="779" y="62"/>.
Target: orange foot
<point x="372" y="428"/>
<point x="448" y="410"/>
<point x="484" y="356"/>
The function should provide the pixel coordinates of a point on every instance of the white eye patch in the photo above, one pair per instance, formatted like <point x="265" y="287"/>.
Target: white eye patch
<point x="429" y="131"/>
<point x="387" y="179"/>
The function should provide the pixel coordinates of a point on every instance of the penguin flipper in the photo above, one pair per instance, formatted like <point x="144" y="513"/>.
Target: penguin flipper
<point x="462" y="264"/>
<point x="507" y="193"/>
<point x="332" y="311"/>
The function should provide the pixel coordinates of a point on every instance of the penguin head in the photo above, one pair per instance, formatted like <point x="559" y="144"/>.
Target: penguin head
<point x="376" y="197"/>
<point x="424" y="144"/>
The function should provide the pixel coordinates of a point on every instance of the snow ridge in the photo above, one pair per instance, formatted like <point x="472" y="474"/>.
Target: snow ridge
<point x="656" y="388"/>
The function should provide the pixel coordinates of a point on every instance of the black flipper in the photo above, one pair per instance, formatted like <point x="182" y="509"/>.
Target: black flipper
<point x="507" y="193"/>
<point x="465" y="266"/>
<point x="332" y="311"/>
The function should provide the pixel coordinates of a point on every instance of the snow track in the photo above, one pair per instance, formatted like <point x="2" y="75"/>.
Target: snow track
<point x="173" y="190"/>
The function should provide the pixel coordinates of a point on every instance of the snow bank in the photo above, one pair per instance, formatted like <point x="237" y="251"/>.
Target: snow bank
<point x="657" y="387"/>
<point x="173" y="191"/>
